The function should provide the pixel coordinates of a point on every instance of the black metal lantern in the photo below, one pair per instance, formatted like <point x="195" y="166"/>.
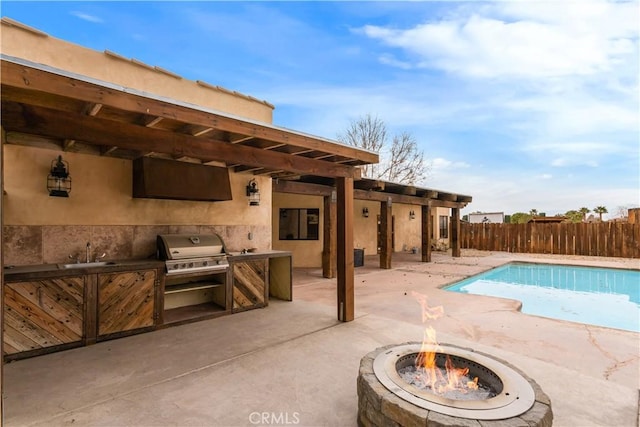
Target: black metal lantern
<point x="412" y="214"/>
<point x="253" y="193"/>
<point x="365" y="212"/>
<point x="59" y="180"/>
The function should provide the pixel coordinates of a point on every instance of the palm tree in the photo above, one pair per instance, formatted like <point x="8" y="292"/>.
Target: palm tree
<point x="584" y="212"/>
<point x="600" y="210"/>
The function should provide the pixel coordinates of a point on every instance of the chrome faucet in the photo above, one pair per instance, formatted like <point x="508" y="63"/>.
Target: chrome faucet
<point x="88" y="251"/>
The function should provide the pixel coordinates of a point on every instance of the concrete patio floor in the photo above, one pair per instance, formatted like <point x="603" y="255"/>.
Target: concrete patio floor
<point x="292" y="363"/>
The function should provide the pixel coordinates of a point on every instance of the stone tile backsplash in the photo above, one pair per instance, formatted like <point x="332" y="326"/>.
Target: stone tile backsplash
<point x="50" y="244"/>
<point x="22" y="245"/>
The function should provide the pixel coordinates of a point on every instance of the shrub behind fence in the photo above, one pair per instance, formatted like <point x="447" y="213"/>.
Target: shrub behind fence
<point x="608" y="239"/>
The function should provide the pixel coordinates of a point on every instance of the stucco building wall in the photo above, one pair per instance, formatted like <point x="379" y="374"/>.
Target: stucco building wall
<point x="101" y="209"/>
<point x="113" y="68"/>
<point x="306" y="253"/>
<point x="407" y="231"/>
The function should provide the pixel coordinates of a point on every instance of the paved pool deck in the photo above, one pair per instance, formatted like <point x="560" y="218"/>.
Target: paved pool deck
<point x="293" y="363"/>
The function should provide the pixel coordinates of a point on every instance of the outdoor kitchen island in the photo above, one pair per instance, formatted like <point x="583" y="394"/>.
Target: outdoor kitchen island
<point x="54" y="307"/>
<point x="258" y="276"/>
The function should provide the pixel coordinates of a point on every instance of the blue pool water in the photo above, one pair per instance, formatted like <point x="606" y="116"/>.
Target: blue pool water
<point x="596" y="296"/>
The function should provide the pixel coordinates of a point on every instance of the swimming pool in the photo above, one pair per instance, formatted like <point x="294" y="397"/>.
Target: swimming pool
<point x="596" y="296"/>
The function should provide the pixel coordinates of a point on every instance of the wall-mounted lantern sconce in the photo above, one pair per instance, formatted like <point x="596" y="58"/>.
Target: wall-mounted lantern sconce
<point x="412" y="215"/>
<point x="59" y="180"/>
<point x="365" y="212"/>
<point x="253" y="193"/>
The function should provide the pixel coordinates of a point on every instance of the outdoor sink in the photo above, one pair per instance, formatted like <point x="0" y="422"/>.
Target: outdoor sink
<point x="86" y="264"/>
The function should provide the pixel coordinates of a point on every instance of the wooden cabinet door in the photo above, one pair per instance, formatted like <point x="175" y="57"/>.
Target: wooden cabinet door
<point x="125" y="301"/>
<point x="43" y="313"/>
<point x="249" y="283"/>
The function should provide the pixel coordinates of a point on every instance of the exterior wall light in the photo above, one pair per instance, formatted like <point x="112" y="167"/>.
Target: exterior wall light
<point x="253" y="193"/>
<point x="412" y="214"/>
<point x="59" y="180"/>
<point x="365" y="212"/>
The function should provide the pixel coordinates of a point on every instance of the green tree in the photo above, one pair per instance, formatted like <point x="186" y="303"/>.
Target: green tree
<point x="575" y="216"/>
<point x="600" y="210"/>
<point x="520" y="218"/>
<point x="584" y="212"/>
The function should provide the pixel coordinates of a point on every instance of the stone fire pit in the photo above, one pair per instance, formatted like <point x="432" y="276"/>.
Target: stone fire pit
<point x="384" y="399"/>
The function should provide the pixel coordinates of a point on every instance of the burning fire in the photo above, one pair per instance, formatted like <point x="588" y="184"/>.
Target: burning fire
<point x="427" y="372"/>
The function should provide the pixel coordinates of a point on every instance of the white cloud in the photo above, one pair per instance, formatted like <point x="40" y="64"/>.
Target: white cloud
<point x="561" y="72"/>
<point x="388" y="59"/>
<point x="573" y="161"/>
<point x="573" y="148"/>
<point x="87" y="17"/>
<point x="578" y="112"/>
<point x="505" y="94"/>
<point x="522" y="40"/>
<point x="441" y="164"/>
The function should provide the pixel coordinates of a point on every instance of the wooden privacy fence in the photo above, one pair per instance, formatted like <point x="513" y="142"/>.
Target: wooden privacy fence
<point x="609" y="239"/>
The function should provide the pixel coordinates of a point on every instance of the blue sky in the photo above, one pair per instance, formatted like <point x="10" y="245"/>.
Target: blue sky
<point x="522" y="105"/>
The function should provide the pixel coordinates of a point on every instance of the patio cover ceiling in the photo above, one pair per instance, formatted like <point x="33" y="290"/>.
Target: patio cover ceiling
<point x="52" y="108"/>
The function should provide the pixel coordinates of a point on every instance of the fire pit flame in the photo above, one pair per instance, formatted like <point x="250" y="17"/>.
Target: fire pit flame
<point x="427" y="374"/>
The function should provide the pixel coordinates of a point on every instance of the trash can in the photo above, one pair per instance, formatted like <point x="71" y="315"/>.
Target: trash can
<point x="358" y="257"/>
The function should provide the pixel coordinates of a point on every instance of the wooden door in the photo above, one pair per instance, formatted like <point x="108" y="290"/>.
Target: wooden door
<point x="43" y="313"/>
<point x="249" y="284"/>
<point x="125" y="301"/>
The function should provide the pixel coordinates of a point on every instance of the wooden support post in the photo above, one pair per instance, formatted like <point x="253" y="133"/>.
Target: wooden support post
<point x="386" y="247"/>
<point x="426" y="233"/>
<point x="345" y="268"/>
<point x="455" y="232"/>
<point x="329" y="236"/>
<point x="2" y="142"/>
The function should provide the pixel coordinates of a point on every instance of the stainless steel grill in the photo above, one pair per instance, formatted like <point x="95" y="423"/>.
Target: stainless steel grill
<point x="190" y="253"/>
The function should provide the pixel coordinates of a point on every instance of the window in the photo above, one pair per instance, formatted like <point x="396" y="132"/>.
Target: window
<point x="444" y="227"/>
<point x="299" y="224"/>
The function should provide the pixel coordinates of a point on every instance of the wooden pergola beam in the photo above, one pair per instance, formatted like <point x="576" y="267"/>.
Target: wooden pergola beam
<point x="370" y="185"/>
<point x="293" y="187"/>
<point x="97" y="131"/>
<point x="152" y="121"/>
<point x="408" y="200"/>
<point x="93" y="109"/>
<point x="49" y="82"/>
<point x="285" y="186"/>
<point x="447" y="197"/>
